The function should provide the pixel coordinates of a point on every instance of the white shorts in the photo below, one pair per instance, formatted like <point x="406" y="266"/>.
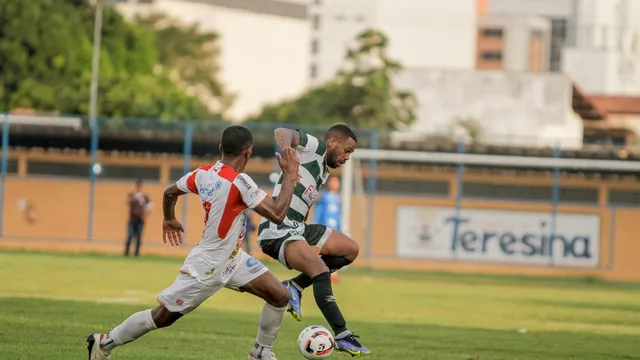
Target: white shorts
<point x="187" y="293"/>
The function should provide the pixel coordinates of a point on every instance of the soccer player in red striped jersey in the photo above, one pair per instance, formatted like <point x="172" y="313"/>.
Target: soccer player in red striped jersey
<point x="218" y="261"/>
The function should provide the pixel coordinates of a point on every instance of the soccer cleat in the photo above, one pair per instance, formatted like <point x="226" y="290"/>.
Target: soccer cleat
<point x="350" y="345"/>
<point x="93" y="345"/>
<point x="295" y="300"/>
<point x="272" y="357"/>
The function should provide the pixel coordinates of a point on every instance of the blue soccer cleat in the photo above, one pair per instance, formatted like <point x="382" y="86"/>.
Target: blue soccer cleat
<point x="350" y="345"/>
<point x="295" y="300"/>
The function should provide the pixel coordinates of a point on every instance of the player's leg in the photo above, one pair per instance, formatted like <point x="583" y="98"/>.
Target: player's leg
<point x="300" y="256"/>
<point x="139" y="228"/>
<point x="182" y="297"/>
<point x="134" y="327"/>
<point x="253" y="277"/>
<point x="127" y="243"/>
<point x="337" y="251"/>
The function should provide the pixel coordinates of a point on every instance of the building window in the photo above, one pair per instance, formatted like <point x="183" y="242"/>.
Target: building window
<point x="315" y="19"/>
<point x="315" y="46"/>
<point x="492" y="55"/>
<point x="313" y="71"/>
<point x="537" y="34"/>
<point x="558" y="41"/>
<point x="492" y="32"/>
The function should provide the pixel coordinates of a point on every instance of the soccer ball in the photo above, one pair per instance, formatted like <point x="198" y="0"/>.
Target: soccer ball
<point x="315" y="342"/>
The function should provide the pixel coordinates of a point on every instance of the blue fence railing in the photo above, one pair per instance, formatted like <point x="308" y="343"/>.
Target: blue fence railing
<point x="191" y="141"/>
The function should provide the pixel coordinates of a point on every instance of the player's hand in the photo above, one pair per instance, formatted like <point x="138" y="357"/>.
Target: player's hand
<point x="290" y="164"/>
<point x="172" y="230"/>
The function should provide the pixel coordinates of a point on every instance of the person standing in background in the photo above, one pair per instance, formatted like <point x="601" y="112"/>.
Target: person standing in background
<point x="139" y="207"/>
<point x="328" y="210"/>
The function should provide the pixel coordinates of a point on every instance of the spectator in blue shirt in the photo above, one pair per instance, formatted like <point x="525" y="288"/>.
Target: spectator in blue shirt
<point x="328" y="209"/>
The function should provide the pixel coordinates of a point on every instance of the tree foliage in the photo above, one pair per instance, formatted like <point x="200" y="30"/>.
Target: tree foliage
<point x="189" y="55"/>
<point x="45" y="63"/>
<point x="362" y="94"/>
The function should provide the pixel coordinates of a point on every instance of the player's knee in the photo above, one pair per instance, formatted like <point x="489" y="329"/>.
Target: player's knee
<point x="280" y="298"/>
<point x="302" y="258"/>
<point x="162" y="317"/>
<point x="352" y="250"/>
<point x="316" y="267"/>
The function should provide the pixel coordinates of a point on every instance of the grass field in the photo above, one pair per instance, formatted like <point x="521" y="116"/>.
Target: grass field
<point x="50" y="302"/>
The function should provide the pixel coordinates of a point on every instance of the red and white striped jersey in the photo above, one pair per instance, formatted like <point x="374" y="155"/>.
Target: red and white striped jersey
<point x="225" y="196"/>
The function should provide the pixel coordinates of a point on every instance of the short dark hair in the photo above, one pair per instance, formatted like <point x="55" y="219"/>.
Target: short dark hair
<point x="342" y="132"/>
<point x="235" y="139"/>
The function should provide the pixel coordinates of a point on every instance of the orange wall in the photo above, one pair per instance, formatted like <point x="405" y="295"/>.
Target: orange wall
<point x="63" y="213"/>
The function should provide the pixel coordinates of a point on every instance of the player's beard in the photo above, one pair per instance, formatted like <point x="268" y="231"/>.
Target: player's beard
<point x="332" y="162"/>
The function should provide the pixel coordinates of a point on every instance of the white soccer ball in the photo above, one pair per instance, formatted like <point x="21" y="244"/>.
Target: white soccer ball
<point x="315" y="342"/>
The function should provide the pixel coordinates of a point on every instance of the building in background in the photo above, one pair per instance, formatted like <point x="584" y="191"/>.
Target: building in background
<point x="265" y="44"/>
<point x="423" y="33"/>
<point x="622" y="124"/>
<point x="596" y="42"/>
<point x="605" y="58"/>
<point x="506" y="108"/>
<point x="558" y="12"/>
<point x="513" y="43"/>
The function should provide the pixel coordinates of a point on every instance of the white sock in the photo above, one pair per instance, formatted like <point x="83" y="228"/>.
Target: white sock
<point x="134" y="327"/>
<point x="270" y="320"/>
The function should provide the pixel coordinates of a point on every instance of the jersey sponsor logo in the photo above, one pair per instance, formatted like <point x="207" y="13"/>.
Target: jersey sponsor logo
<point x="310" y="195"/>
<point x="244" y="182"/>
<point x="209" y="191"/>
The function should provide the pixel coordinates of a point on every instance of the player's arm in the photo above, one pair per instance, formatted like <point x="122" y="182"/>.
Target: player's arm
<point x="256" y="199"/>
<point x="172" y="228"/>
<point x="287" y="138"/>
<point x="169" y="200"/>
<point x="276" y="210"/>
<point x="298" y="140"/>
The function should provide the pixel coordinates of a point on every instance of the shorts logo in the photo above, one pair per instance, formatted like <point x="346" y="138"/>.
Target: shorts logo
<point x="229" y="270"/>
<point x="253" y="265"/>
<point x="251" y="262"/>
<point x="179" y="302"/>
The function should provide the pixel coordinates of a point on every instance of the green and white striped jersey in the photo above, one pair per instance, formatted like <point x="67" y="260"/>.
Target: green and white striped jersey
<point x="313" y="174"/>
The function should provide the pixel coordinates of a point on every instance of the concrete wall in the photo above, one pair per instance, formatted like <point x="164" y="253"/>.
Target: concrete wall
<point x="66" y="230"/>
<point x="513" y="108"/>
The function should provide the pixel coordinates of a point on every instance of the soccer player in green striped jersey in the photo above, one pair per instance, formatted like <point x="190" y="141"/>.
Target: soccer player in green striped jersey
<point x="297" y="245"/>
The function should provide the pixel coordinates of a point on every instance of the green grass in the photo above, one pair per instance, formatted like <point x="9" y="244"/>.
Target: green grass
<point x="50" y="302"/>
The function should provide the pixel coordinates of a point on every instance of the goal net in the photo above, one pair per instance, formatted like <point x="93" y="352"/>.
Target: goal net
<point x="564" y="235"/>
